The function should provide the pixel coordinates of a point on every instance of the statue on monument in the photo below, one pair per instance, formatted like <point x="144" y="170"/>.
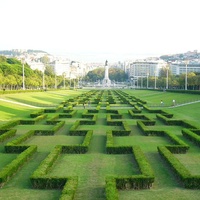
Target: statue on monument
<point x="106" y="80"/>
<point x="106" y="63"/>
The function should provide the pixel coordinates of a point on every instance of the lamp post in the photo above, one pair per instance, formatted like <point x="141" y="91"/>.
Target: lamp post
<point x="55" y="82"/>
<point x="141" y="81"/>
<point x="64" y="74"/>
<point x="131" y="82"/>
<point x="69" y="80"/>
<point x="155" y="80"/>
<point x="167" y="80"/>
<point x="23" y="76"/>
<point x="147" y="80"/>
<point x="43" y="78"/>
<point x="186" y="63"/>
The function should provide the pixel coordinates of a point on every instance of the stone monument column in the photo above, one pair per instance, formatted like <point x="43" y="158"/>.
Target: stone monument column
<point x="106" y="80"/>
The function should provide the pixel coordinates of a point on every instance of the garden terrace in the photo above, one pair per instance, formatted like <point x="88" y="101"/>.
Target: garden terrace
<point x="116" y="146"/>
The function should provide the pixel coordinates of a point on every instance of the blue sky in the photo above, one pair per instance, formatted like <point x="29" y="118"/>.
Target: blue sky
<point x="95" y="29"/>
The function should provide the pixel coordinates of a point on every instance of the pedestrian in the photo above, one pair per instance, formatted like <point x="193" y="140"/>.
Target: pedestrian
<point x="173" y="102"/>
<point x="161" y="102"/>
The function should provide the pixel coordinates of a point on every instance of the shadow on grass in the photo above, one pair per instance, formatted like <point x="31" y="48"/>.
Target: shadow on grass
<point x="12" y="111"/>
<point x="98" y="144"/>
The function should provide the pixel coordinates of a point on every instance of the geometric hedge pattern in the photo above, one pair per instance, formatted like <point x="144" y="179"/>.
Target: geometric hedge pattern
<point x="98" y="122"/>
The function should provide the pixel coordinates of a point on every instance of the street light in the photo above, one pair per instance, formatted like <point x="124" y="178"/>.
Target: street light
<point x="23" y="75"/>
<point x="141" y="81"/>
<point x="147" y="80"/>
<point x="131" y="82"/>
<point x="186" y="63"/>
<point x="155" y="80"/>
<point x="43" y="78"/>
<point x="167" y="80"/>
<point x="55" y="82"/>
<point x="64" y="74"/>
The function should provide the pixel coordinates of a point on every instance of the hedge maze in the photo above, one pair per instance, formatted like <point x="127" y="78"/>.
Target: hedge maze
<point x="103" y="158"/>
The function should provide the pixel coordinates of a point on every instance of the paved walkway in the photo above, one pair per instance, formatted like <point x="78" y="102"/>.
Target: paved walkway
<point x="91" y="107"/>
<point x="18" y="103"/>
<point x="184" y="104"/>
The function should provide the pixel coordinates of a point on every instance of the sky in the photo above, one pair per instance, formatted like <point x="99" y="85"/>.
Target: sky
<point x="99" y="30"/>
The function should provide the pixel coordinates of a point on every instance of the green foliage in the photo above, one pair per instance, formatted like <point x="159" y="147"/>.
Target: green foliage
<point x="111" y="189"/>
<point x="5" y="134"/>
<point x="98" y="74"/>
<point x="12" y="167"/>
<point x="69" y="189"/>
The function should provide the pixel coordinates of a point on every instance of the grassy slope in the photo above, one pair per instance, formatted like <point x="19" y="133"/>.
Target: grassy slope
<point x="95" y="165"/>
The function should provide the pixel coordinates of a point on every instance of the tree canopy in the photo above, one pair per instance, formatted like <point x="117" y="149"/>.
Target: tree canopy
<point x="11" y="71"/>
<point x="115" y="74"/>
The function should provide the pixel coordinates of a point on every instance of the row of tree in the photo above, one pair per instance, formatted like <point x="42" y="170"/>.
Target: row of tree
<point x="115" y="74"/>
<point x="169" y="81"/>
<point x="11" y="76"/>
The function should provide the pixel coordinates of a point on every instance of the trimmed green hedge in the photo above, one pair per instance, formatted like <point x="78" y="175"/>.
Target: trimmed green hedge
<point x="187" y="179"/>
<point x="33" y="121"/>
<point x="192" y="136"/>
<point x="134" y="182"/>
<point x="58" y="126"/>
<point x="68" y="115"/>
<point x="14" y="147"/>
<point x="9" y="124"/>
<point x="37" y="113"/>
<point x="81" y="148"/>
<point x="143" y="181"/>
<point x="36" y="178"/>
<point x="5" y="134"/>
<point x="111" y="189"/>
<point x="69" y="188"/>
<point x="9" y="170"/>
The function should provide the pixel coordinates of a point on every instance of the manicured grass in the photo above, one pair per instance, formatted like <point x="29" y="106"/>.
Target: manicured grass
<point x="47" y="143"/>
<point x="92" y="170"/>
<point x="154" y="97"/>
<point x="189" y="112"/>
<point x="9" y="111"/>
<point x="49" y="97"/>
<point x="92" y="167"/>
<point x="19" y="187"/>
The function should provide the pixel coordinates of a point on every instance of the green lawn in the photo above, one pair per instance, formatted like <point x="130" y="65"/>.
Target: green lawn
<point x="93" y="167"/>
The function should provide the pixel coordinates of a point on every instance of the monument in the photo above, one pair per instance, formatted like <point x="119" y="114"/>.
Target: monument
<point x="106" y="81"/>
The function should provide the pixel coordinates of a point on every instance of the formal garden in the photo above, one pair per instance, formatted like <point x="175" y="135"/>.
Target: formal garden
<point x="99" y="144"/>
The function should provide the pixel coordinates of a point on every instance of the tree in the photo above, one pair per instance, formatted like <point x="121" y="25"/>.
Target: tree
<point x="45" y="59"/>
<point x="191" y="80"/>
<point x="98" y="74"/>
<point x="49" y="70"/>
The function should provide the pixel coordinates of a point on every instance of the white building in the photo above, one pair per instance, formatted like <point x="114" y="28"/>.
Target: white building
<point x="146" y="68"/>
<point x="180" y="68"/>
<point x="61" y="66"/>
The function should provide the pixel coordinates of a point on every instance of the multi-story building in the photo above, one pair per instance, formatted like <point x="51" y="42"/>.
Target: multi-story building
<point x="140" y="69"/>
<point x="180" y="68"/>
<point x="61" y="66"/>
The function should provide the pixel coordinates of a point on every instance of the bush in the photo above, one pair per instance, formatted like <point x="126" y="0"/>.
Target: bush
<point x="7" y="134"/>
<point x="12" y="167"/>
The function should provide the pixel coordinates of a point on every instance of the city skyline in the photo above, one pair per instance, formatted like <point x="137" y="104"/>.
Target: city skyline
<point x="101" y="30"/>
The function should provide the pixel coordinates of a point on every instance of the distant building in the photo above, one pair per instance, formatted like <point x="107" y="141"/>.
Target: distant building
<point x="145" y="68"/>
<point x="178" y="69"/>
<point x="36" y="65"/>
<point x="61" y="66"/>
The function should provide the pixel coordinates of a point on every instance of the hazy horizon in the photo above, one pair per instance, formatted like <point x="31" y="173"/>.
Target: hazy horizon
<point x="98" y="30"/>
